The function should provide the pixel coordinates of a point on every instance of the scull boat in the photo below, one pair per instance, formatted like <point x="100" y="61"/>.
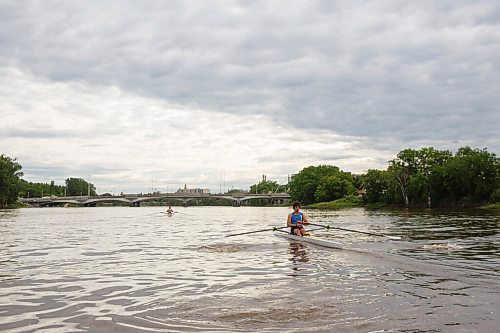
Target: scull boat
<point x="308" y="239"/>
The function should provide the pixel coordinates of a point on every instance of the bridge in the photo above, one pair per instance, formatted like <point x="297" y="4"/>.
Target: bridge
<point x="135" y="200"/>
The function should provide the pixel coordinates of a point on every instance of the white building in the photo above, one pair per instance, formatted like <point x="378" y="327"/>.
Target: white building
<point x="186" y="190"/>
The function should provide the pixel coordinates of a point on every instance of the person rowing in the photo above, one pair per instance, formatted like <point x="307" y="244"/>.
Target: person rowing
<point x="170" y="211"/>
<point x="297" y="220"/>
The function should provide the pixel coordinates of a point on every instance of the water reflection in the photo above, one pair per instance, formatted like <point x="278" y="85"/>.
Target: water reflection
<point x="299" y="255"/>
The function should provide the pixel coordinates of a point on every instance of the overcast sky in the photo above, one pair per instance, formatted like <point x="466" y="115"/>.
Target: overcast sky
<point x="139" y="94"/>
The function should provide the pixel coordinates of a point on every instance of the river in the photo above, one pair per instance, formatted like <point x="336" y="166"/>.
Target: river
<point x="121" y="269"/>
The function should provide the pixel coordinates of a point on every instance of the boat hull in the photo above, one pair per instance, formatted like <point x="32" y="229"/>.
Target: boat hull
<point x="310" y="240"/>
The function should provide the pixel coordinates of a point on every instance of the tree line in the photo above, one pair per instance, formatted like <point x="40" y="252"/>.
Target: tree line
<point x="432" y="178"/>
<point x="323" y="183"/>
<point x="424" y="177"/>
<point x="10" y="174"/>
<point x="72" y="187"/>
<point x="13" y="186"/>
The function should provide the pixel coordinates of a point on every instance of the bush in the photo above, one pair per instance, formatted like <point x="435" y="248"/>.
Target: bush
<point x="348" y="201"/>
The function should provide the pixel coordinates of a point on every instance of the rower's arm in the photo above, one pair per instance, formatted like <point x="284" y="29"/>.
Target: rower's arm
<point x="289" y="220"/>
<point x="306" y="219"/>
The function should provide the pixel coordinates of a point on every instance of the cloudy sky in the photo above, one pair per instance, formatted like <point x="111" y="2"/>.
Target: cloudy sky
<point x="135" y="95"/>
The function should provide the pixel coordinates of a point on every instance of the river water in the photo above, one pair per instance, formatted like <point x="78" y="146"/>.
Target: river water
<point x="127" y="269"/>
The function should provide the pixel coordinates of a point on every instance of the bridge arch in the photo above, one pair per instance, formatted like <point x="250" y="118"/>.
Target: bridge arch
<point x="137" y="202"/>
<point x="90" y="202"/>
<point x="59" y="202"/>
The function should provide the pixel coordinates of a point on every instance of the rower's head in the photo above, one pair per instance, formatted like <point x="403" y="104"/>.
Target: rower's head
<point x="296" y="206"/>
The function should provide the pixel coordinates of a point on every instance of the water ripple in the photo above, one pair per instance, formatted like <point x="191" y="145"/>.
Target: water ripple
<point x="122" y="269"/>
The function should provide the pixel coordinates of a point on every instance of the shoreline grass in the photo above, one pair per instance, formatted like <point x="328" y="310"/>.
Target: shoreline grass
<point x="495" y="206"/>
<point x="350" y="201"/>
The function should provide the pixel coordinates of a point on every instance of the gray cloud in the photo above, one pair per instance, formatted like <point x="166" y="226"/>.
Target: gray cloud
<point x="374" y="69"/>
<point x="382" y="75"/>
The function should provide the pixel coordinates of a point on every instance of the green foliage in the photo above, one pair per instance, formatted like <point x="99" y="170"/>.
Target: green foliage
<point x="73" y="187"/>
<point x="413" y="174"/>
<point x="348" y="201"/>
<point x="321" y="183"/>
<point x="496" y="195"/>
<point x="472" y="175"/>
<point x="432" y="177"/>
<point x="267" y="186"/>
<point x="495" y="206"/>
<point x="29" y="189"/>
<point x="377" y="185"/>
<point x="10" y="173"/>
<point x="334" y="187"/>
<point x="78" y="186"/>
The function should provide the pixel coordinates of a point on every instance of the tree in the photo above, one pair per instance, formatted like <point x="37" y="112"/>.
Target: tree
<point x="266" y="186"/>
<point x="321" y="183"/>
<point x="29" y="189"/>
<point x="434" y="177"/>
<point x="401" y="169"/>
<point x="416" y="173"/>
<point x="10" y="173"/>
<point x="429" y="164"/>
<point x="78" y="186"/>
<point x="376" y="185"/>
<point x="471" y="175"/>
<point x="334" y="187"/>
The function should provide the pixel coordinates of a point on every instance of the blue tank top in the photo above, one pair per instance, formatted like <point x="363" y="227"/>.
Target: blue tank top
<point x="296" y="218"/>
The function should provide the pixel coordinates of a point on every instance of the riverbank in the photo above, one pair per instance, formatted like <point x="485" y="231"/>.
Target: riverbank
<point x="495" y="206"/>
<point x="16" y="205"/>
<point x="356" y="201"/>
<point x="349" y="201"/>
<point x="346" y="202"/>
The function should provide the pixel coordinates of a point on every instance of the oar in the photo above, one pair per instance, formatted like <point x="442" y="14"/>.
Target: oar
<point x="252" y="232"/>
<point x="154" y="213"/>
<point x="361" y="232"/>
<point x="177" y="212"/>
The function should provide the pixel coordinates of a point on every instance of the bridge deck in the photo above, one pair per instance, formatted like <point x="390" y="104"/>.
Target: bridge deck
<point x="136" y="199"/>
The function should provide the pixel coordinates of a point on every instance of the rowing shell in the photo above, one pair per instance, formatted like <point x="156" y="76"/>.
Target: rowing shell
<point x="309" y="239"/>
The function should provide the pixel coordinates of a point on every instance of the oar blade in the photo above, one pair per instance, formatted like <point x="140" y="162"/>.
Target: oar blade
<point x="394" y="237"/>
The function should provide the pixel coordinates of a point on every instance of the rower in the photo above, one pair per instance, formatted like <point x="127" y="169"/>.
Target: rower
<point x="170" y="210"/>
<point x="296" y="221"/>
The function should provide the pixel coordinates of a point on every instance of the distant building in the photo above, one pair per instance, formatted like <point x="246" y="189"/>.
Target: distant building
<point x="186" y="190"/>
